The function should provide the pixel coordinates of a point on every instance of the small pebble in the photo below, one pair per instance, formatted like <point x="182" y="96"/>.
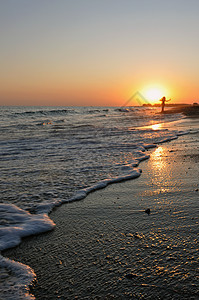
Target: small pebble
<point x="148" y="211"/>
<point x="137" y="236"/>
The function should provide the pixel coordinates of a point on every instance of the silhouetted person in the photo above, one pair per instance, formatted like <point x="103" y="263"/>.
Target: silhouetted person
<point x="163" y="100"/>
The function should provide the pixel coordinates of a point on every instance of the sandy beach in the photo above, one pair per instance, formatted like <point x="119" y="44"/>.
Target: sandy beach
<point x="108" y="247"/>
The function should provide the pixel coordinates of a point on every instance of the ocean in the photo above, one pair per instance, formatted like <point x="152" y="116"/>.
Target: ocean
<point x="54" y="155"/>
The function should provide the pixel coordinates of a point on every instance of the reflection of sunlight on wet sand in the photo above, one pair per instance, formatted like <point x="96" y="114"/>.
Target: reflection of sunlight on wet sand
<point x="156" y="126"/>
<point x="160" y="167"/>
<point x="157" y="154"/>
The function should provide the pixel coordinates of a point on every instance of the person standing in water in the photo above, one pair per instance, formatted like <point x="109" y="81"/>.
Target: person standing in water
<point x="163" y="100"/>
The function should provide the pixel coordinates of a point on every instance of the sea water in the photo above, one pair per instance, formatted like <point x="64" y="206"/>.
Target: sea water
<point x="53" y="155"/>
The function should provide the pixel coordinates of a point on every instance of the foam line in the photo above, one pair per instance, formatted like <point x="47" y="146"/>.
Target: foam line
<point x="10" y="271"/>
<point x="17" y="223"/>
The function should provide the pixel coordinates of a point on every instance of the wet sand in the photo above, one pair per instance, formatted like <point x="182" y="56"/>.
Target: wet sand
<point x="108" y="247"/>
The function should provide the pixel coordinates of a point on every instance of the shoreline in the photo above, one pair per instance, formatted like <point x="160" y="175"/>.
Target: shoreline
<point x="106" y="238"/>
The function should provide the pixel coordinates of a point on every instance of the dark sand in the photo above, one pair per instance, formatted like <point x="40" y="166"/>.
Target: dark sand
<point x="192" y="111"/>
<point x="107" y="247"/>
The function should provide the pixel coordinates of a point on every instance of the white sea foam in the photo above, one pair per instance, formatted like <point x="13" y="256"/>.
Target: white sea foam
<point x="81" y="194"/>
<point x="15" y="280"/>
<point x="102" y="184"/>
<point x="17" y="223"/>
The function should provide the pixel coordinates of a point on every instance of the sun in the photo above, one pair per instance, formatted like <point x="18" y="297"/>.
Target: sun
<point x="153" y="93"/>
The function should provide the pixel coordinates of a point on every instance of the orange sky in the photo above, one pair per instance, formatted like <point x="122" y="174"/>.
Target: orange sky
<point x="98" y="53"/>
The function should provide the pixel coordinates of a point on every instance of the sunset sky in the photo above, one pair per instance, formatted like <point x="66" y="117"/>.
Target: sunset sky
<point x="98" y="52"/>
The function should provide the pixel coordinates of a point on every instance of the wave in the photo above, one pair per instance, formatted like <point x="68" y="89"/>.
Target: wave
<point x="46" y="112"/>
<point x="125" y="109"/>
<point x="57" y="112"/>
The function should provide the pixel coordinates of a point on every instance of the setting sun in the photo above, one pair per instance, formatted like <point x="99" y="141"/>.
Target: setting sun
<point x="154" y="94"/>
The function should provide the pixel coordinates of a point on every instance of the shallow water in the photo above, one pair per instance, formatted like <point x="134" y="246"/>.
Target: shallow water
<point x="107" y="247"/>
<point x="49" y="153"/>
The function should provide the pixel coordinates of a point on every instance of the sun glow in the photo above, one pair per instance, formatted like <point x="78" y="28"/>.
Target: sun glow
<point x="154" y="94"/>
